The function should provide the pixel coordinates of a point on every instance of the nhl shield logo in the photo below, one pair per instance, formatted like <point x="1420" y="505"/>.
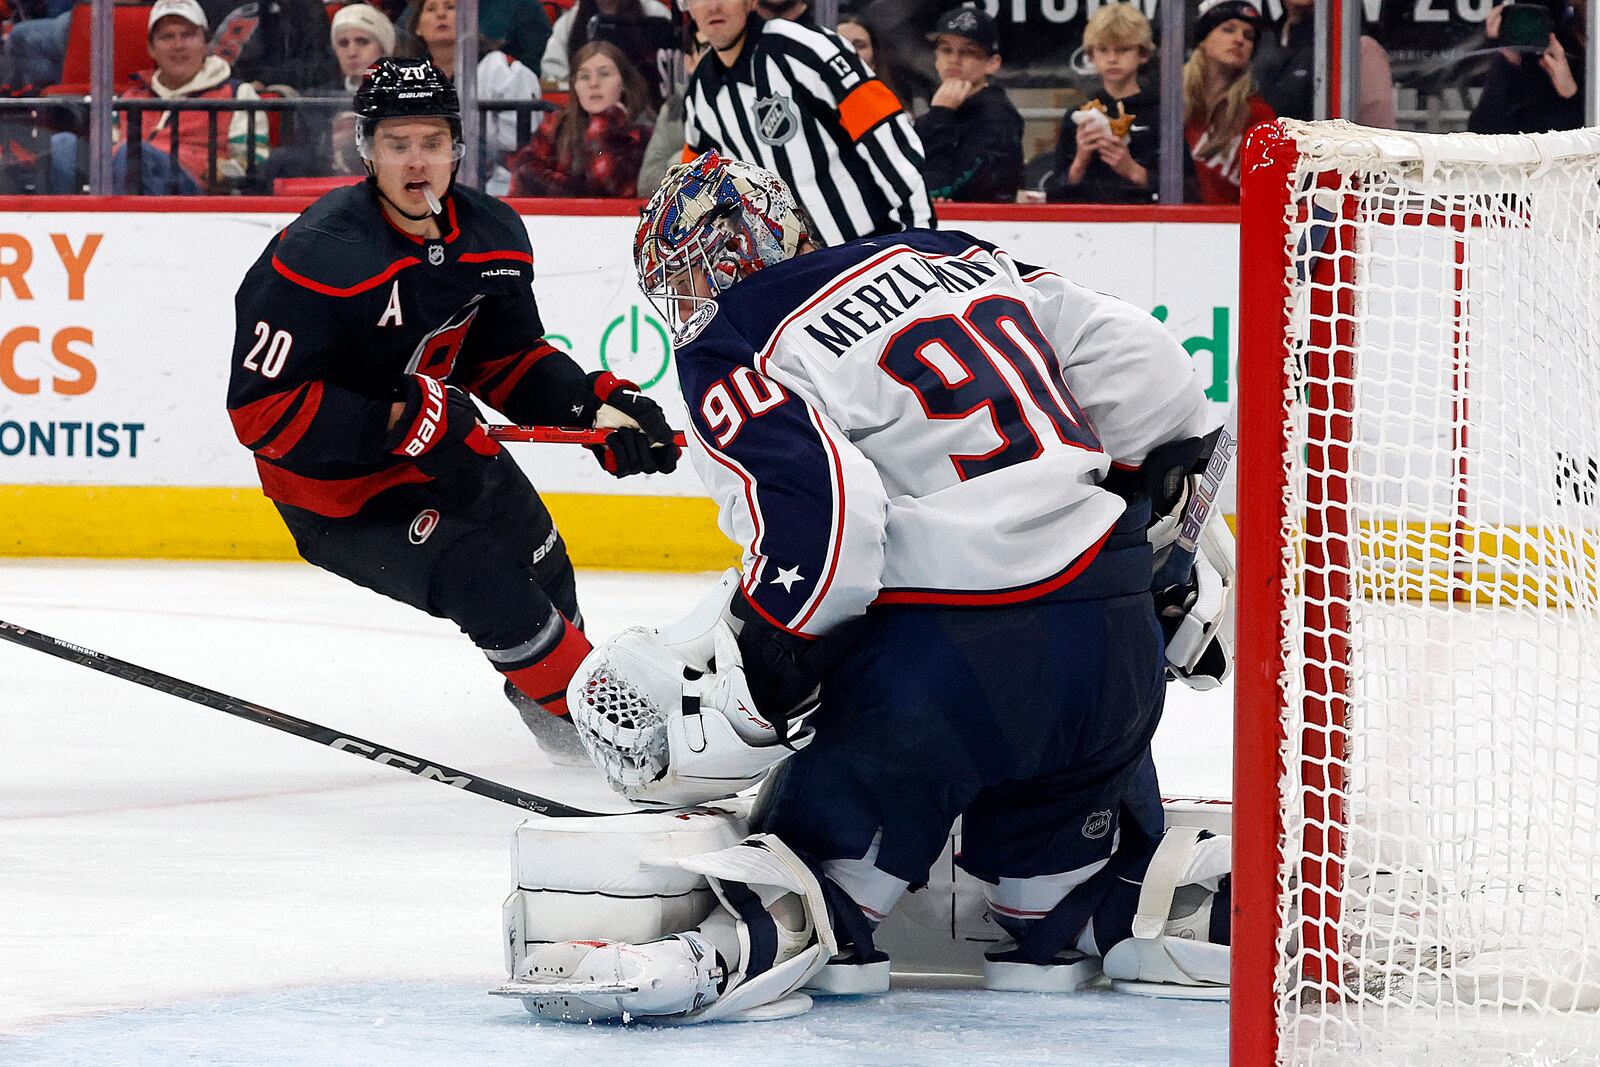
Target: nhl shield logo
<point x="1096" y="825"/>
<point x="776" y="119"/>
<point x="435" y="255"/>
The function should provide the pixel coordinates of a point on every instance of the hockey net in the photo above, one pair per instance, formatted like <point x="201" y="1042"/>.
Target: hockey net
<point x="1418" y="746"/>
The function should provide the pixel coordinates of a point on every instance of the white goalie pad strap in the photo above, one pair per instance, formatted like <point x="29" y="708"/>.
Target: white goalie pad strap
<point x="1167" y="962"/>
<point x="770" y="869"/>
<point x="611" y="877"/>
<point x="1161" y="881"/>
<point x="1182" y="858"/>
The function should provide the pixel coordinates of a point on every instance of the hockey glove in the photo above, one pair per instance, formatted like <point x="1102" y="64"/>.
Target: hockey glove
<point x="784" y="670"/>
<point x="1194" y="614"/>
<point x="438" y="427"/>
<point x="640" y="441"/>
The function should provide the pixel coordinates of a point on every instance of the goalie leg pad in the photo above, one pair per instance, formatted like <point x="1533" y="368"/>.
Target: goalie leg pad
<point x="1179" y="946"/>
<point x="595" y="878"/>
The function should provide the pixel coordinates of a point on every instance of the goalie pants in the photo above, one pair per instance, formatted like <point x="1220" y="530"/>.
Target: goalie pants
<point x="1032" y="722"/>
<point x="478" y="548"/>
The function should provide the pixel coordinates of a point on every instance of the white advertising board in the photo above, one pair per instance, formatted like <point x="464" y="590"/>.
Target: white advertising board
<point x="116" y="331"/>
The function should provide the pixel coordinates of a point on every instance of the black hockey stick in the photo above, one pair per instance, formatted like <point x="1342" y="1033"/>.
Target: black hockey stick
<point x="322" y="735"/>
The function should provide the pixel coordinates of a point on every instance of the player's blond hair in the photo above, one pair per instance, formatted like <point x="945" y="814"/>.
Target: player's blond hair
<point x="1119" y="26"/>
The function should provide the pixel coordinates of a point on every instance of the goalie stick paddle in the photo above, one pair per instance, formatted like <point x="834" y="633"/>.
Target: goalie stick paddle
<point x="322" y="735"/>
<point x="558" y="435"/>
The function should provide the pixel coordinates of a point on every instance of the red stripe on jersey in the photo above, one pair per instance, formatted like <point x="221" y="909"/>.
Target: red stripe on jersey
<point x="337" y="498"/>
<point x="753" y="575"/>
<point x="282" y="444"/>
<point x="768" y="616"/>
<point x="485" y="257"/>
<point x="1007" y="596"/>
<point x="253" y="421"/>
<point x="353" y="290"/>
<point x="546" y="681"/>
<point x="838" y="523"/>
<point x="450" y="216"/>
<point x="520" y="362"/>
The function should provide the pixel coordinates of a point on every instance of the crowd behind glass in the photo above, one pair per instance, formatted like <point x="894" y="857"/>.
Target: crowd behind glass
<point x="1057" y="103"/>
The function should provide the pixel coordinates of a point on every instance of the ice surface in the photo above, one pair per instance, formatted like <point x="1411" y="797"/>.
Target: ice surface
<point x="177" y="884"/>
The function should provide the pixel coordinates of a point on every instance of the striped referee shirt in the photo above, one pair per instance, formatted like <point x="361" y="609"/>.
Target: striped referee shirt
<point x="799" y="102"/>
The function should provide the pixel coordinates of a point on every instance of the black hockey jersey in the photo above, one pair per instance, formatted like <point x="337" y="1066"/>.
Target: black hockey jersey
<point x="342" y="305"/>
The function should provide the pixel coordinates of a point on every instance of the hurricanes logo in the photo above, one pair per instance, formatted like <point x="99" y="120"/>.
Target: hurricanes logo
<point x="1096" y="825"/>
<point x="776" y="120"/>
<point x="423" y="525"/>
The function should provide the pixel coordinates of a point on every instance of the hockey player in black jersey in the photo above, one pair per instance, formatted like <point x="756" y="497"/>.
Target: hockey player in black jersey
<point x="364" y="330"/>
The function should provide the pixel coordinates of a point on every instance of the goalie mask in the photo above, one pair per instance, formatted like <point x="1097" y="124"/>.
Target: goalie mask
<point x="668" y="732"/>
<point x="713" y="222"/>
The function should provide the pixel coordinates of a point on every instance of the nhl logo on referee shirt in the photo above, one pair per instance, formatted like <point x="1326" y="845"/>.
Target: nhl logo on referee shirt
<point x="423" y="525"/>
<point x="776" y="119"/>
<point x="1096" y="825"/>
<point x="435" y="255"/>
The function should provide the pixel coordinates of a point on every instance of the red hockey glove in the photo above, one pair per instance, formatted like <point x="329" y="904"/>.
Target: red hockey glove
<point x="438" y="427"/>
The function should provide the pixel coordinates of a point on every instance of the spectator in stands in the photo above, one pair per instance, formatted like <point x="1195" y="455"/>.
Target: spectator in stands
<point x="793" y="10"/>
<point x="1531" y="92"/>
<point x="1220" y="98"/>
<point x="1109" y="146"/>
<point x="572" y="30"/>
<point x="1285" y="70"/>
<point x="277" y="43"/>
<point x="36" y="47"/>
<point x="519" y="28"/>
<point x="592" y="147"/>
<point x="881" y="59"/>
<point x="431" y="34"/>
<point x="666" y="139"/>
<point x="183" y="71"/>
<point x="971" y="134"/>
<point x="325" y="141"/>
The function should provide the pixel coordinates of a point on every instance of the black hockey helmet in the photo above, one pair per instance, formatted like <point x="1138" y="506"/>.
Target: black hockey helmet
<point x="405" y="88"/>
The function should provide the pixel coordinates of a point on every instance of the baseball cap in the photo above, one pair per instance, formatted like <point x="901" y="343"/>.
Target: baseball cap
<point x="1214" y="13"/>
<point x="367" y="19"/>
<point x="972" y="23"/>
<point x="187" y="10"/>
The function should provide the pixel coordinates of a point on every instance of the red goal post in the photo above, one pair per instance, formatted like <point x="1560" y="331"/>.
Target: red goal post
<point x="1419" y="462"/>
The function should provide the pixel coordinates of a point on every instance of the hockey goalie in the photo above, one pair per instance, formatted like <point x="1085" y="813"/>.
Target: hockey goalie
<point x="954" y="477"/>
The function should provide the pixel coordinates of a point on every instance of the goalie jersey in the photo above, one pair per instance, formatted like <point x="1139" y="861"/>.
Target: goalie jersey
<point x="917" y="418"/>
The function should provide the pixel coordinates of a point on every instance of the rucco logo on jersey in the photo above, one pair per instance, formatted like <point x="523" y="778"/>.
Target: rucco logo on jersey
<point x="423" y="525"/>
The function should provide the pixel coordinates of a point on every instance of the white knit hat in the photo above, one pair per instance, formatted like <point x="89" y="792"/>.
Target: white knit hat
<point x="369" y="20"/>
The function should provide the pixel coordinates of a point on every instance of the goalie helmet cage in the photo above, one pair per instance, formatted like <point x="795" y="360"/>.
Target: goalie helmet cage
<point x="1417" y="723"/>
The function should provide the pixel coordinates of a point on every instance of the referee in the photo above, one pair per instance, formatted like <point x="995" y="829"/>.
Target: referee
<point x="798" y="101"/>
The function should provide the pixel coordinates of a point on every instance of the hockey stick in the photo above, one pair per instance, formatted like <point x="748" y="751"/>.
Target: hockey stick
<point x="322" y="735"/>
<point x="558" y="435"/>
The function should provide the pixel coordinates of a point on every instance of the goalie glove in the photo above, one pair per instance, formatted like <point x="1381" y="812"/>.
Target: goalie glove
<point x="640" y="441"/>
<point x="1195" y="614"/>
<point x="665" y="732"/>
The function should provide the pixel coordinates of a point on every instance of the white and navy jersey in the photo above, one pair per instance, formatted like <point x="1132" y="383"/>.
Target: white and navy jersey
<point x="798" y="101"/>
<point x="917" y="419"/>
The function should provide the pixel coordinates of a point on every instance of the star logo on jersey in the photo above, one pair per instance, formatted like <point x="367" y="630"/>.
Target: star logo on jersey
<point x="787" y="576"/>
<point x="435" y="255"/>
<point x="776" y="119"/>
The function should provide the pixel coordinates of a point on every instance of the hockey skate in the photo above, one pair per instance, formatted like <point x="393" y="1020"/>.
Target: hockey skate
<point x="555" y="735"/>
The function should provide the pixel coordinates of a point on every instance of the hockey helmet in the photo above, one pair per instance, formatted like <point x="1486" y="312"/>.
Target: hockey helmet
<point x="403" y="89"/>
<point x="713" y="222"/>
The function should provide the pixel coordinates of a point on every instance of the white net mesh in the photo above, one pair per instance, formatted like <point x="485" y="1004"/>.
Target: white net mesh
<point x="1439" y="896"/>
<point x="618" y="703"/>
